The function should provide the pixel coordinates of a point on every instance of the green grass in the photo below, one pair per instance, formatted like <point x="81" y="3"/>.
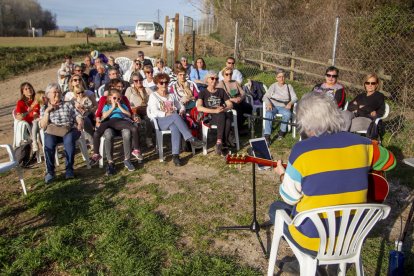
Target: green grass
<point x="17" y="60"/>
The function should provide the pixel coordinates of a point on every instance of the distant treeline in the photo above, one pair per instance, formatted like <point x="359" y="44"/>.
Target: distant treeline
<point x="16" y="15"/>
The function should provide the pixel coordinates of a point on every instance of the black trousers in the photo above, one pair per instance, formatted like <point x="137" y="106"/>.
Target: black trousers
<point x="223" y="122"/>
<point x="117" y="124"/>
<point x="241" y="108"/>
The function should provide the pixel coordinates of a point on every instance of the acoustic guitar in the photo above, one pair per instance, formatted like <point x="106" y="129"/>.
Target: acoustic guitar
<point x="377" y="184"/>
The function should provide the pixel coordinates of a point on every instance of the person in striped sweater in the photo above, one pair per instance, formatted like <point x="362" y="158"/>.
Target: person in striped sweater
<point x="329" y="168"/>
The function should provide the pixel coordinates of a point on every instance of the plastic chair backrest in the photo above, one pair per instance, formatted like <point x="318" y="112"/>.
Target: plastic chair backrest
<point x="124" y="63"/>
<point x="387" y="111"/>
<point x="101" y="90"/>
<point x="356" y="222"/>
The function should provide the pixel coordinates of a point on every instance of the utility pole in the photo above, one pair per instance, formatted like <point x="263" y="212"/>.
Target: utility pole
<point x="158" y="16"/>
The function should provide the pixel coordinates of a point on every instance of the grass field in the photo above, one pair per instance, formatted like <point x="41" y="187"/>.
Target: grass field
<point x="56" y="41"/>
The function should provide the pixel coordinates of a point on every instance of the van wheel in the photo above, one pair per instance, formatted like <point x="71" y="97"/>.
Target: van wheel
<point x="138" y="42"/>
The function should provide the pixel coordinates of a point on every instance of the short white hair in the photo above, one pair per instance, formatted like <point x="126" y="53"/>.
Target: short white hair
<point x="317" y="113"/>
<point x="52" y="86"/>
<point x="209" y="74"/>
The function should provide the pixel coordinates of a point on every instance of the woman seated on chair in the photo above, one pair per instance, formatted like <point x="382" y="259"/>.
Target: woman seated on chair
<point x="87" y="107"/>
<point x="185" y="90"/>
<point x="136" y="67"/>
<point x="166" y="109"/>
<point x="138" y="96"/>
<point x="216" y="103"/>
<point x="160" y="67"/>
<point x="329" y="168"/>
<point x="368" y="106"/>
<point x="62" y="123"/>
<point x="28" y="109"/>
<point x="279" y="99"/>
<point x="237" y="97"/>
<point x="198" y="73"/>
<point x="116" y="115"/>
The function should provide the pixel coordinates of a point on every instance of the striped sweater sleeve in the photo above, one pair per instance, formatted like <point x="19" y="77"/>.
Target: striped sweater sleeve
<point x="383" y="160"/>
<point x="291" y="189"/>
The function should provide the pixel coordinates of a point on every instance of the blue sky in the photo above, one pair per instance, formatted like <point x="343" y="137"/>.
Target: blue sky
<point x="114" y="13"/>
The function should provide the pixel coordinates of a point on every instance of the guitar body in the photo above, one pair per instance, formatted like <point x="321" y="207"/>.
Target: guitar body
<point x="377" y="184"/>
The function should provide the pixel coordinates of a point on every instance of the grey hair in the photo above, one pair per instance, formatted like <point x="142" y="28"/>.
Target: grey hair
<point x="52" y="86"/>
<point x="279" y="71"/>
<point x="209" y="74"/>
<point x="317" y="113"/>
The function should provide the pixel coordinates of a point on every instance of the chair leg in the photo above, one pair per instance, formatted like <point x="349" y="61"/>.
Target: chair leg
<point x="102" y="152"/>
<point x="84" y="151"/>
<point x="359" y="267"/>
<point x="20" y="174"/>
<point x="205" y="133"/>
<point x="277" y="235"/>
<point x="56" y="156"/>
<point x="308" y="266"/>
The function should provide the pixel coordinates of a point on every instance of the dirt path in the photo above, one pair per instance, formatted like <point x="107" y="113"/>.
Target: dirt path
<point x="10" y="89"/>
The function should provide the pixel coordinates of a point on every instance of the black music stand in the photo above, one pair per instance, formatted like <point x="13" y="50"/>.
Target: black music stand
<point x="254" y="226"/>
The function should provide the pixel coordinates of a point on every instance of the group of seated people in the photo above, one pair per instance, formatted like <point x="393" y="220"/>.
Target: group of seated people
<point x="176" y="98"/>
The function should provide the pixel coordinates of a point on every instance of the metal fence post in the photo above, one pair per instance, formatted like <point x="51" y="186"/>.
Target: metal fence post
<point x="335" y="40"/>
<point x="236" y="38"/>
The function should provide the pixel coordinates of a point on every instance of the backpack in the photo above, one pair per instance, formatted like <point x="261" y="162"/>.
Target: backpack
<point x="23" y="154"/>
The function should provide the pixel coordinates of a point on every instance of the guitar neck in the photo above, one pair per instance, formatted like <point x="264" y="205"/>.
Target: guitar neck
<point x="250" y="159"/>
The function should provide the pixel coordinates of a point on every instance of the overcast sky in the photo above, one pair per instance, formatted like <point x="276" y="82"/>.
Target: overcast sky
<point x="114" y="13"/>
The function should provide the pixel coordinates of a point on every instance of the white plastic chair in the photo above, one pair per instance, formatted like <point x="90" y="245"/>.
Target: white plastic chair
<point x="205" y="130"/>
<point x="7" y="166"/>
<point x="159" y="135"/>
<point x="100" y="92"/>
<point x="102" y="148"/>
<point x="124" y="63"/>
<point x="22" y="131"/>
<point x="81" y="142"/>
<point x="257" y="108"/>
<point x="356" y="222"/>
<point x="386" y="113"/>
<point x="292" y="120"/>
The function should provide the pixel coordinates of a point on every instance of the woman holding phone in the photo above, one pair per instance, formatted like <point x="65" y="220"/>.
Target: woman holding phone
<point x="166" y="109"/>
<point x="116" y="115"/>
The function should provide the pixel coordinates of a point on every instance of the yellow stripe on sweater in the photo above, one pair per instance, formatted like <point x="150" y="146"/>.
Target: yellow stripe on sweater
<point x="317" y="201"/>
<point x="325" y="160"/>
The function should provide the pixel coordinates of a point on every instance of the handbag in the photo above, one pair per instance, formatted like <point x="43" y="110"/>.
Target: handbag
<point x="57" y="130"/>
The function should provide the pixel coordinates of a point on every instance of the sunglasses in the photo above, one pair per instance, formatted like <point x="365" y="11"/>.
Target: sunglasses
<point x="228" y="74"/>
<point x="370" y="83"/>
<point x="116" y="98"/>
<point x="79" y="92"/>
<point x="77" y="70"/>
<point x="137" y="80"/>
<point x="163" y="82"/>
<point x="214" y="78"/>
<point x="76" y="80"/>
<point x="331" y="76"/>
<point x="230" y="62"/>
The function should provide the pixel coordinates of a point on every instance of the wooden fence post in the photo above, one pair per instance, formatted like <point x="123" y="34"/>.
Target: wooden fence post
<point x="261" y="59"/>
<point x="292" y="66"/>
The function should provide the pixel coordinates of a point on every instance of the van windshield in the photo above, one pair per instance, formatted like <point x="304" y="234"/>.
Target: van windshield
<point x="145" y="27"/>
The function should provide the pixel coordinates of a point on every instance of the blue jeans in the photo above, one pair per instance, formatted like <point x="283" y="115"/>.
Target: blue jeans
<point x="69" y="141"/>
<point x="178" y="127"/>
<point x="286" y="114"/>
<point x="279" y="205"/>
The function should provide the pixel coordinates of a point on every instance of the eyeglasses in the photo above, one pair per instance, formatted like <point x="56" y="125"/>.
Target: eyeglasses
<point x="137" y="80"/>
<point x="75" y="79"/>
<point x="163" y="82"/>
<point x="214" y="78"/>
<point x="331" y="76"/>
<point x="148" y="72"/>
<point x="116" y="98"/>
<point x="370" y="83"/>
<point x="228" y="62"/>
<point x="77" y="70"/>
<point x="228" y="74"/>
<point x="137" y="63"/>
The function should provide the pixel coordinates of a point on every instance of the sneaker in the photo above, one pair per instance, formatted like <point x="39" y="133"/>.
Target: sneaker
<point x="110" y="169"/>
<point x="196" y="143"/>
<point x="137" y="154"/>
<point x="69" y="175"/>
<point x="129" y="165"/>
<point x="176" y="160"/>
<point x="49" y="178"/>
<point x="148" y="142"/>
<point x="94" y="159"/>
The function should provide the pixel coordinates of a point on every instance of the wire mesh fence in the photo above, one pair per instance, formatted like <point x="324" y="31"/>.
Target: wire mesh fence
<point x="304" y="46"/>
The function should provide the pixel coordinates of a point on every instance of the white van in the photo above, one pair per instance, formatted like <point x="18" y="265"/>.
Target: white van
<point x="148" y="31"/>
